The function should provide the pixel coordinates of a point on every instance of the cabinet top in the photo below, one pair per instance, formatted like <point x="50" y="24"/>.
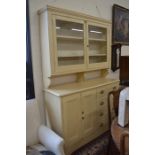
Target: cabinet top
<point x="67" y="89"/>
<point x="70" y="12"/>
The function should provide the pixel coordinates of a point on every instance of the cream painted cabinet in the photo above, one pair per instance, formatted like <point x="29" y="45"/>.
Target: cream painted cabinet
<point x="78" y="111"/>
<point x="73" y="42"/>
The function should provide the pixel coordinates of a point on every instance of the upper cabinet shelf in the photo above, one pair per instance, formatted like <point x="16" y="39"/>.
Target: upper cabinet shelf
<point x="67" y="34"/>
<point x="69" y="37"/>
<point x="96" y="39"/>
<point x="97" y="55"/>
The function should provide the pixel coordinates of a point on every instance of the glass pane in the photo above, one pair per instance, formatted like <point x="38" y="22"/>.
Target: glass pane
<point x="67" y="28"/>
<point x="97" y="44"/>
<point x="97" y="32"/>
<point x="70" y="43"/>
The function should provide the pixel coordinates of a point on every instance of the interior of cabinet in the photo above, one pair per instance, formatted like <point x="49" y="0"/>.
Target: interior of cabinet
<point x="97" y="52"/>
<point x="70" y="42"/>
<point x="70" y="52"/>
<point x="69" y="29"/>
<point x="98" y="33"/>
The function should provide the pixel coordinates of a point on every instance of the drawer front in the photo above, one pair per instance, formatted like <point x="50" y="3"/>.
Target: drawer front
<point x="102" y="120"/>
<point x="102" y="103"/>
<point x="102" y="91"/>
<point x="102" y="115"/>
<point x="113" y="86"/>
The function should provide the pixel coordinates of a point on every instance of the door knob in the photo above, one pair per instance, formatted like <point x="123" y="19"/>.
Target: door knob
<point x="102" y="103"/>
<point x="102" y="92"/>
<point x="101" y="125"/>
<point x="83" y="118"/>
<point x="101" y="114"/>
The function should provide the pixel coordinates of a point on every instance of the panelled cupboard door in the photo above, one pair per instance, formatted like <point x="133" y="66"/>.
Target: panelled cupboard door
<point x="88" y="107"/>
<point x="72" y="118"/>
<point x="98" y="44"/>
<point x="69" y="44"/>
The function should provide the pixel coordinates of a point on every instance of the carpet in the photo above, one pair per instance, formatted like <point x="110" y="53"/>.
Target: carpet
<point x="98" y="146"/>
<point x="32" y="151"/>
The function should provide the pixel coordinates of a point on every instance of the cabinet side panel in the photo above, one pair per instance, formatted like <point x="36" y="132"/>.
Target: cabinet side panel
<point x="45" y="51"/>
<point x="53" y="104"/>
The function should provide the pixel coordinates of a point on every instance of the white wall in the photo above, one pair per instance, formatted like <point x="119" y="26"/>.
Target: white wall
<point x="98" y="8"/>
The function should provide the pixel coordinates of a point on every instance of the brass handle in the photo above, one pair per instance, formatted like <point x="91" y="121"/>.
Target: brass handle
<point x="82" y="117"/>
<point x="102" y="92"/>
<point x="101" y="125"/>
<point x="101" y="114"/>
<point x="102" y="103"/>
<point x="82" y="112"/>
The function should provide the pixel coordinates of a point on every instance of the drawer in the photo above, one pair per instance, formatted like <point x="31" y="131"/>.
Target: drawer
<point x="101" y="115"/>
<point x="113" y="86"/>
<point x="102" y="103"/>
<point x="102" y="91"/>
<point x="103" y="123"/>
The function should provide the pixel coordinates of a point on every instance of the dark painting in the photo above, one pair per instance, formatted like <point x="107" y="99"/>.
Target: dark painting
<point x="120" y="25"/>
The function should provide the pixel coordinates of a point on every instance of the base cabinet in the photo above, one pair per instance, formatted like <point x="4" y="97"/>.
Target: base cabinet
<point x="79" y="116"/>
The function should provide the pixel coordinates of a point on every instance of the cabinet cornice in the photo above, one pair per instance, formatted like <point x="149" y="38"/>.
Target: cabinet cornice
<point x="70" y="12"/>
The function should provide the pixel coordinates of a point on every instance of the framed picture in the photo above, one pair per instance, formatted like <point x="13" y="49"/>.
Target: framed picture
<point x="120" y="25"/>
<point x="116" y="54"/>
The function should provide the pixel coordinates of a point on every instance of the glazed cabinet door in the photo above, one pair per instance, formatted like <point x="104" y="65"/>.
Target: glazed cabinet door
<point x="88" y="111"/>
<point x="98" y="44"/>
<point x="72" y="118"/>
<point x="69" y="44"/>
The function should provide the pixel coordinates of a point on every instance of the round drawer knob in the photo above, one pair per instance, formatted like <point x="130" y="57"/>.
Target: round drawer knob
<point x="101" y="114"/>
<point x="102" y="92"/>
<point x="101" y="125"/>
<point x="82" y="117"/>
<point x="102" y="103"/>
<point x="82" y="112"/>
